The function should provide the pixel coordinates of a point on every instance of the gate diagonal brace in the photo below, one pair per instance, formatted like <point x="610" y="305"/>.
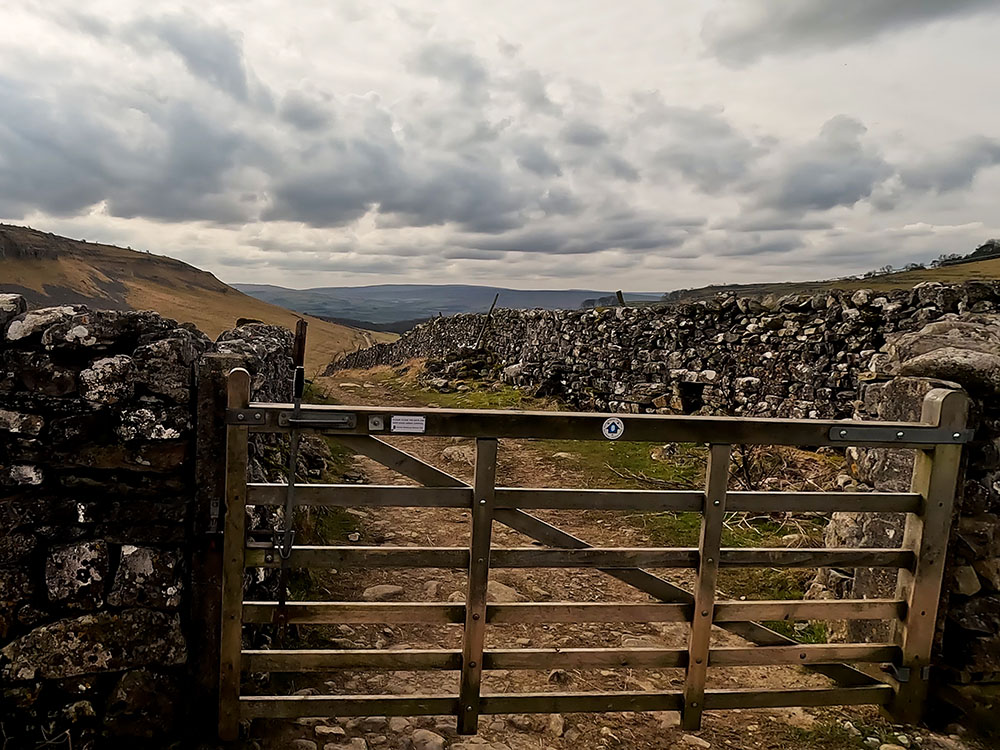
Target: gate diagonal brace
<point x="541" y="531"/>
<point x="662" y="589"/>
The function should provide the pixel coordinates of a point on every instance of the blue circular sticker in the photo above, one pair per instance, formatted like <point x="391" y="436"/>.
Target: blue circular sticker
<point x="613" y="428"/>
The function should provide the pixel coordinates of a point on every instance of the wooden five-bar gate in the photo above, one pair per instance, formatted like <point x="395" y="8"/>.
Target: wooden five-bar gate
<point x="894" y="674"/>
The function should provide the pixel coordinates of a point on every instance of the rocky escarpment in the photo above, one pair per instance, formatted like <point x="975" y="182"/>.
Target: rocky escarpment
<point x="99" y="422"/>
<point x="795" y="356"/>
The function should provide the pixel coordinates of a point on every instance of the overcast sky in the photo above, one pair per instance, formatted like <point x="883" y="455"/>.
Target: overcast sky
<point x="642" y="144"/>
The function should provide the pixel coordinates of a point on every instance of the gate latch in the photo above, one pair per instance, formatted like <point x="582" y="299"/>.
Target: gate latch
<point x="318" y="421"/>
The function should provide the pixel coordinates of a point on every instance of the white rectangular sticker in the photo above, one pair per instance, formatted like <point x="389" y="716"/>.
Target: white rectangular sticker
<point x="409" y="424"/>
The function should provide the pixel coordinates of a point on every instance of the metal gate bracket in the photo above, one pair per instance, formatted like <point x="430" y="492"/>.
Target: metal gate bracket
<point x="860" y="433"/>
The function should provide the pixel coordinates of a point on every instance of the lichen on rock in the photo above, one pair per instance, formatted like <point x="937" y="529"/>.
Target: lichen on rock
<point x="33" y="323"/>
<point x="147" y="577"/>
<point x="93" y="643"/>
<point x="76" y="574"/>
<point x="109" y="380"/>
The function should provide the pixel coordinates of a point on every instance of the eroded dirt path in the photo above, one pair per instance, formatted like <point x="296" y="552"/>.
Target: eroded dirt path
<point x="522" y="464"/>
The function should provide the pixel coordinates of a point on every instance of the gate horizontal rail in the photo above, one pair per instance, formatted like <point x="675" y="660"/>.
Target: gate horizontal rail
<point x="937" y="441"/>
<point x="312" y="660"/>
<point x="606" y="557"/>
<point x="527" y="498"/>
<point x="494" y="423"/>
<point x="428" y="613"/>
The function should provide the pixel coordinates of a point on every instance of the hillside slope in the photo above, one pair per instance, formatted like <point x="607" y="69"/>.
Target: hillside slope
<point x="50" y="270"/>
<point x="988" y="269"/>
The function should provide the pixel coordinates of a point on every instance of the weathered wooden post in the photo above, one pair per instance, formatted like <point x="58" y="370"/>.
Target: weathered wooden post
<point x="234" y="548"/>
<point x="206" y="554"/>
<point x="484" y="492"/>
<point x="935" y="477"/>
<point x="713" y="513"/>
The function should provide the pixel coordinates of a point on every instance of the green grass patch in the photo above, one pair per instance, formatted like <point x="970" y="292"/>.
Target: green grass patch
<point x="619" y="465"/>
<point x="498" y="396"/>
<point x="480" y="394"/>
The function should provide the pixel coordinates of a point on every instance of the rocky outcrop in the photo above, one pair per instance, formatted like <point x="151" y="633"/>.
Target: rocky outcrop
<point x="793" y="356"/>
<point x="98" y="426"/>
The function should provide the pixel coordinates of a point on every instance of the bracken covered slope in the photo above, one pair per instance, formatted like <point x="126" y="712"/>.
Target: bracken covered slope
<point x="49" y="270"/>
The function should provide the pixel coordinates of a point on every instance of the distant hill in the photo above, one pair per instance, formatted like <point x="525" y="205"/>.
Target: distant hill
<point x="389" y="303"/>
<point x="982" y="264"/>
<point x="50" y="270"/>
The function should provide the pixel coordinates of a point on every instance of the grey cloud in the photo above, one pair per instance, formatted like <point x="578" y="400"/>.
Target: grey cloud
<point x="756" y="245"/>
<point x="954" y="169"/>
<point x="212" y="53"/>
<point x="472" y="194"/>
<point x="532" y="156"/>
<point x="338" y="186"/>
<point x="61" y="159"/>
<point x="458" y="67"/>
<point x="742" y="32"/>
<point x="558" y="201"/>
<point x="531" y="88"/>
<point x="770" y="221"/>
<point x="620" y="167"/>
<point x="356" y="176"/>
<point x="835" y="169"/>
<point x="80" y="20"/>
<point x="584" y="134"/>
<point x="466" y="253"/>
<point x="629" y="232"/>
<point x="699" y="144"/>
<point x="304" y="111"/>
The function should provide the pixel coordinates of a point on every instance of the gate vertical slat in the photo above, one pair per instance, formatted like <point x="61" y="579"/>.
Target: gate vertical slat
<point x="484" y="491"/>
<point x="234" y="544"/>
<point x="935" y="477"/>
<point x="716" y="483"/>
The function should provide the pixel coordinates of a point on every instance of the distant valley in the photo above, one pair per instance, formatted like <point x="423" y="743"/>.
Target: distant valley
<point x="390" y="303"/>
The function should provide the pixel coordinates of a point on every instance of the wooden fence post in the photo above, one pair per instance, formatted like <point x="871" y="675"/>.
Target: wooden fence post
<point x="935" y="478"/>
<point x="713" y="513"/>
<point x="234" y="548"/>
<point x="484" y="491"/>
<point x="206" y="553"/>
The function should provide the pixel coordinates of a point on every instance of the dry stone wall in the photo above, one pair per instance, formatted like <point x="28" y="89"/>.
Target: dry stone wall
<point x="98" y="505"/>
<point x="792" y="356"/>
